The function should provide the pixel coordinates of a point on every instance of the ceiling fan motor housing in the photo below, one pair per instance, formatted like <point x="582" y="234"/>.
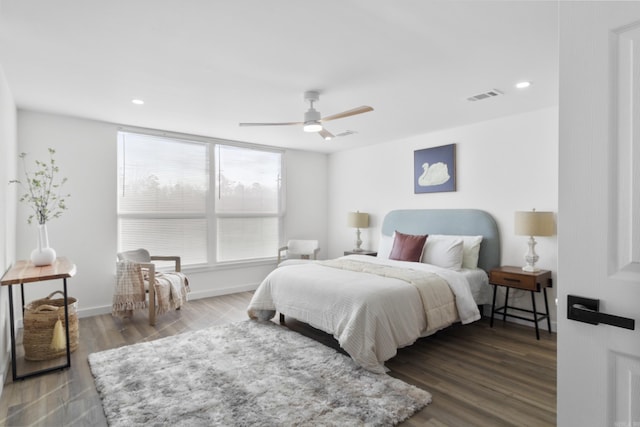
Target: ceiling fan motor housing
<point x="311" y="115"/>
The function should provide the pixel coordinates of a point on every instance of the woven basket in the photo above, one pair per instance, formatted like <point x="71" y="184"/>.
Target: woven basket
<point x="40" y="317"/>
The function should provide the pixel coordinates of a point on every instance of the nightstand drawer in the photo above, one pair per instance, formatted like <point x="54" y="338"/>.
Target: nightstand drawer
<point x="362" y="252"/>
<point x="525" y="281"/>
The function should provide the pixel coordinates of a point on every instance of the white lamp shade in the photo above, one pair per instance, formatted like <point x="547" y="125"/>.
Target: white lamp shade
<point x="357" y="220"/>
<point x="534" y="223"/>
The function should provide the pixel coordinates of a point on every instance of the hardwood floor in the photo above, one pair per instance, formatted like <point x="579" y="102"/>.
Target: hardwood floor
<point x="478" y="376"/>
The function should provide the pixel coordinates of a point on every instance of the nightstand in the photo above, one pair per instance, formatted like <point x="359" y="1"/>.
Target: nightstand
<point x="362" y="252"/>
<point x="514" y="277"/>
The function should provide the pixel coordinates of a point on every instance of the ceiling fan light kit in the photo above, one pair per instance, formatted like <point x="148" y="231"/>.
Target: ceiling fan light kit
<point x="313" y="120"/>
<point x="312" y="126"/>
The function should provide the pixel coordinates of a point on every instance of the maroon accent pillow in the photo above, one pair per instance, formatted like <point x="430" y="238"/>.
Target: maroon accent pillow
<point x="407" y="247"/>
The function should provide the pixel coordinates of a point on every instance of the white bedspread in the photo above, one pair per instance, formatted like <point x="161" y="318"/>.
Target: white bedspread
<point x="371" y="316"/>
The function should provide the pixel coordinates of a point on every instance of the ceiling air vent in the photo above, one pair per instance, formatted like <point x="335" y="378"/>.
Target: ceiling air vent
<point x="347" y="133"/>
<point x="485" y="95"/>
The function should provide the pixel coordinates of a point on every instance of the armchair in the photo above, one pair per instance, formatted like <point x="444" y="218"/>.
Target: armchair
<point x="142" y="257"/>
<point x="304" y="249"/>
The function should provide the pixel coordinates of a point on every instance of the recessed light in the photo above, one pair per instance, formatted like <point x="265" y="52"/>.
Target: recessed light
<point x="137" y="101"/>
<point x="523" y="85"/>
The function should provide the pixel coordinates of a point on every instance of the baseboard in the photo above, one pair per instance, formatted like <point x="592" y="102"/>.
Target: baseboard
<point x="542" y="325"/>
<point x="223" y="291"/>
<point x="5" y="368"/>
<point x="106" y="309"/>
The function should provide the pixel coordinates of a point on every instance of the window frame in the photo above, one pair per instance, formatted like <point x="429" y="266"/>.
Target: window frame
<point x="210" y="214"/>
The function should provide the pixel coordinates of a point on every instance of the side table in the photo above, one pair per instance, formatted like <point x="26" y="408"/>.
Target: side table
<point x="515" y="277"/>
<point x="25" y="272"/>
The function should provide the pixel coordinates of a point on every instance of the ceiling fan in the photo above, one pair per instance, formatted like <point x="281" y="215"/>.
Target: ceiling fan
<point x="312" y="119"/>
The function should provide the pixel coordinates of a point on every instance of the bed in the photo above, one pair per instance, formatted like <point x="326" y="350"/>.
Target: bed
<point x="375" y="305"/>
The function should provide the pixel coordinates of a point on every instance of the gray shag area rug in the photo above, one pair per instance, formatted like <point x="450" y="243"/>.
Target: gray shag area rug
<point x="248" y="373"/>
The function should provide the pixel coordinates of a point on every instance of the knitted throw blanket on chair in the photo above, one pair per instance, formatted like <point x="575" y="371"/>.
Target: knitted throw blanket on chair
<point x="129" y="294"/>
<point x="171" y="291"/>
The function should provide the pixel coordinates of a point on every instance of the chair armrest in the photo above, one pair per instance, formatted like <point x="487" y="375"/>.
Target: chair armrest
<point x="284" y="248"/>
<point x="149" y="266"/>
<point x="175" y="259"/>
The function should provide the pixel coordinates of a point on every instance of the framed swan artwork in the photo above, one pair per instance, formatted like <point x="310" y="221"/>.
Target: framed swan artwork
<point x="434" y="169"/>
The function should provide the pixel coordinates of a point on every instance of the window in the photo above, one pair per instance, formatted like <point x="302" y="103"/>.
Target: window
<point x="247" y="202"/>
<point x="165" y="204"/>
<point x="162" y="196"/>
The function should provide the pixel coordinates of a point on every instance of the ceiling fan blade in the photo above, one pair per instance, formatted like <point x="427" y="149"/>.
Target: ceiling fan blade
<point x="353" y="112"/>
<point x="326" y="135"/>
<point x="270" y="124"/>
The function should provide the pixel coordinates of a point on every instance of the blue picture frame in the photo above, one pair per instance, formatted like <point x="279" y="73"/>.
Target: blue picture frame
<point x="434" y="169"/>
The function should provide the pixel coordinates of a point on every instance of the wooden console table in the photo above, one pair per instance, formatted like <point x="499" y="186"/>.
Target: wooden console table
<point x="25" y="272"/>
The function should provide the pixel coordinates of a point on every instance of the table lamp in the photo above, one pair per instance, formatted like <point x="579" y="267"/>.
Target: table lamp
<point x="358" y="220"/>
<point x="533" y="223"/>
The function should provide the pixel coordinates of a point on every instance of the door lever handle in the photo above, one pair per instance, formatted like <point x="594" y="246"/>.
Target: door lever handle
<point x="587" y="310"/>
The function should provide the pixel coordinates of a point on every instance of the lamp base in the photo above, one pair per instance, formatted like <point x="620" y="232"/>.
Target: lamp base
<point x="358" y="242"/>
<point x="531" y="257"/>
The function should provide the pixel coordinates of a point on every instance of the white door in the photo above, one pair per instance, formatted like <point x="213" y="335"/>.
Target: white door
<point x="599" y="211"/>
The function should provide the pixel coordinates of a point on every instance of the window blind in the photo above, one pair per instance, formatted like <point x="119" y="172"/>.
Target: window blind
<point x="162" y="196"/>
<point x="248" y="202"/>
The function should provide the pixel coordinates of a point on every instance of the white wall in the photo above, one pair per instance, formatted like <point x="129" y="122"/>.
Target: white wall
<point x="307" y="198"/>
<point x="503" y="165"/>
<point x="8" y="153"/>
<point x="86" y="232"/>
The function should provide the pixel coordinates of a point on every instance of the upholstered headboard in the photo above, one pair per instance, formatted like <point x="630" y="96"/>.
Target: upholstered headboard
<point x="461" y="222"/>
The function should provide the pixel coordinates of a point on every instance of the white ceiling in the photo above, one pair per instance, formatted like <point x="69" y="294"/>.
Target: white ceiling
<point x="202" y="66"/>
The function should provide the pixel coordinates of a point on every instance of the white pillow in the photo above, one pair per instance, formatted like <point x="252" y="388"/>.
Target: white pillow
<point x="470" y="245"/>
<point x="384" y="245"/>
<point x="471" y="249"/>
<point x="444" y="251"/>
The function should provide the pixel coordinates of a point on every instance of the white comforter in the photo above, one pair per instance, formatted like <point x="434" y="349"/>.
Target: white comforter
<point x="370" y="316"/>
